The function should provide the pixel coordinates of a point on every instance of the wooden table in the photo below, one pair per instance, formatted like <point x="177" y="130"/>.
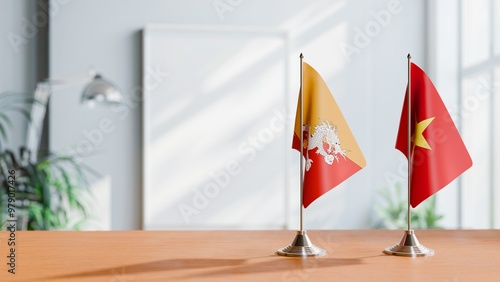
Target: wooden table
<point x="246" y="256"/>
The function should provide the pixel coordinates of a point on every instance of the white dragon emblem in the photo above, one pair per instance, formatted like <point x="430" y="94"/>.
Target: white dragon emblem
<point x="324" y="133"/>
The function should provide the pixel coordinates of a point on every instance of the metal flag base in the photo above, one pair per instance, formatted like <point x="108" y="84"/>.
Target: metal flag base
<point x="301" y="247"/>
<point x="409" y="247"/>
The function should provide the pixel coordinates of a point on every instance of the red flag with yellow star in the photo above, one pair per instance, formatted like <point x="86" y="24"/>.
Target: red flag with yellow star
<point x="332" y="154"/>
<point x="438" y="154"/>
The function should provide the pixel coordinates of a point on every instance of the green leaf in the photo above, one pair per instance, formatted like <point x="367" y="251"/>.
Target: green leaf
<point x="3" y="134"/>
<point x="22" y="111"/>
<point x="35" y="213"/>
<point x="56" y="186"/>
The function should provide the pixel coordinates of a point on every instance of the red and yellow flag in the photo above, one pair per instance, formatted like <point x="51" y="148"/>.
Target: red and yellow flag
<point x="330" y="150"/>
<point x="438" y="154"/>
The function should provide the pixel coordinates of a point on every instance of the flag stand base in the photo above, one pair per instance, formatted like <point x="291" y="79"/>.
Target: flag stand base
<point x="301" y="247"/>
<point x="409" y="247"/>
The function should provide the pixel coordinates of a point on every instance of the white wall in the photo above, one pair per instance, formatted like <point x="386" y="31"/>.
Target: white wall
<point x="17" y="57"/>
<point x="368" y="86"/>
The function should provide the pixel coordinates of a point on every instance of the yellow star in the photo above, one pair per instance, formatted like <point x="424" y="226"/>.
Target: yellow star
<point x="418" y="138"/>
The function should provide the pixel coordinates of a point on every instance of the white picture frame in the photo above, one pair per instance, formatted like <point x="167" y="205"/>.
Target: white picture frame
<point x="216" y="129"/>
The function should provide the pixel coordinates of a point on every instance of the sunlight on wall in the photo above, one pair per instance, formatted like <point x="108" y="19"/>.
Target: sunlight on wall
<point x="100" y="204"/>
<point x="477" y="137"/>
<point x="199" y="158"/>
<point x="227" y="68"/>
<point x="218" y="147"/>
<point x="476" y="30"/>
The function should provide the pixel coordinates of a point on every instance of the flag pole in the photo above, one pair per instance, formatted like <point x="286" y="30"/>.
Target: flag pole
<point x="301" y="245"/>
<point x="409" y="140"/>
<point x="301" y="206"/>
<point x="409" y="246"/>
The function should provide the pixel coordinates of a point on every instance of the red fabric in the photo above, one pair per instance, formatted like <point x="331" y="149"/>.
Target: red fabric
<point x="323" y="125"/>
<point x="434" y="168"/>
<point x="322" y="177"/>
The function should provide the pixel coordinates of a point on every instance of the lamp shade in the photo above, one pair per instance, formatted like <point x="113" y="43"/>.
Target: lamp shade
<point x="101" y="90"/>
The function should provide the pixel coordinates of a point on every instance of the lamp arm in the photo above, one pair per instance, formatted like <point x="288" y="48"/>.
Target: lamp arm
<point x="98" y="88"/>
<point x="37" y="116"/>
<point x="38" y="110"/>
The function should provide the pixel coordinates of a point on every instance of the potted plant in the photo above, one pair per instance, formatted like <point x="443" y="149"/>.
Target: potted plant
<point x="49" y="192"/>
<point x="393" y="213"/>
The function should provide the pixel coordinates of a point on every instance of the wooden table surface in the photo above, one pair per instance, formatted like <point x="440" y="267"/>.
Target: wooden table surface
<point x="461" y="255"/>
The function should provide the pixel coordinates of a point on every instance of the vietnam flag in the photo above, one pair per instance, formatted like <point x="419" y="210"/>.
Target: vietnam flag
<point x="330" y="150"/>
<point x="438" y="154"/>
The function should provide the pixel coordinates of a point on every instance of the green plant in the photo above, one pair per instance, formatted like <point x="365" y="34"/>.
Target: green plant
<point x="51" y="192"/>
<point x="12" y="102"/>
<point x="393" y="213"/>
<point x="46" y="190"/>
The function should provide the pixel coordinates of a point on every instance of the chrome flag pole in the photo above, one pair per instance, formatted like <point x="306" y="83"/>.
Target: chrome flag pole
<point x="301" y="245"/>
<point x="409" y="246"/>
